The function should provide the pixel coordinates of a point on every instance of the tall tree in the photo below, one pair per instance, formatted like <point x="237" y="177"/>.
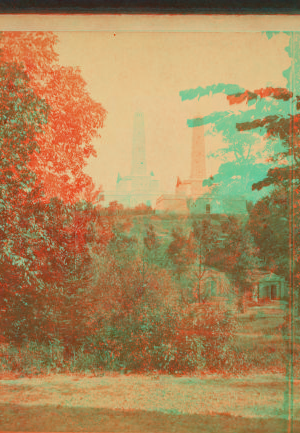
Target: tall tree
<point x="246" y="156"/>
<point x="272" y="114"/>
<point x="282" y="126"/>
<point x="74" y="118"/>
<point x="23" y="116"/>
<point x="205" y="239"/>
<point x="180" y="251"/>
<point x="151" y="244"/>
<point x="269" y="226"/>
<point x="123" y="245"/>
<point x="236" y="255"/>
<point x="44" y="245"/>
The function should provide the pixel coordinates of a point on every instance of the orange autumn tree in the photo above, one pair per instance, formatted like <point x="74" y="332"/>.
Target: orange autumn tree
<point x="74" y="118"/>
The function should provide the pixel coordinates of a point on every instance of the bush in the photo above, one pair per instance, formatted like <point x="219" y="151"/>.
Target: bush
<point x="36" y="358"/>
<point x="148" y="340"/>
<point x="137" y="341"/>
<point x="215" y="328"/>
<point x="138" y="318"/>
<point x="33" y="358"/>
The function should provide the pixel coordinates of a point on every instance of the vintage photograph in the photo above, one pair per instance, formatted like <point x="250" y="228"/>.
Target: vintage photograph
<point x="149" y="211"/>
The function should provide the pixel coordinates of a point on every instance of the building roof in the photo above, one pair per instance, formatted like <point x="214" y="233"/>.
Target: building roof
<point x="264" y="276"/>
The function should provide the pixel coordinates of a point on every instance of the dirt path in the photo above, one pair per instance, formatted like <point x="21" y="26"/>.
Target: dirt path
<point x="132" y="398"/>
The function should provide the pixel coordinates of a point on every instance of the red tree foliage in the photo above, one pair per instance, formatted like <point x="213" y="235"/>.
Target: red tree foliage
<point x="74" y="118"/>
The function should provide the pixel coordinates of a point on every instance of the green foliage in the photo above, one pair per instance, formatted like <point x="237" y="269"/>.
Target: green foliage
<point x="180" y="252"/>
<point x="240" y="251"/>
<point x="34" y="358"/>
<point x="52" y="306"/>
<point x="215" y="328"/>
<point x="269" y="225"/>
<point x="151" y="240"/>
<point x="122" y="245"/>
<point x="153" y="250"/>
<point x="205" y="238"/>
<point x="22" y="116"/>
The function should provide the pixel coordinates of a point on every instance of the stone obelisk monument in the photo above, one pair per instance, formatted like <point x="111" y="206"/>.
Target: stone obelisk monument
<point x="138" y="165"/>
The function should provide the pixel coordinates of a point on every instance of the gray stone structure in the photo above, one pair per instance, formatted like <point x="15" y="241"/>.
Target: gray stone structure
<point x="190" y="194"/>
<point x="138" y="187"/>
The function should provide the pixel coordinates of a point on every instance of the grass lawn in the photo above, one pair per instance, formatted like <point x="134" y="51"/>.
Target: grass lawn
<point x="133" y="403"/>
<point x="53" y="419"/>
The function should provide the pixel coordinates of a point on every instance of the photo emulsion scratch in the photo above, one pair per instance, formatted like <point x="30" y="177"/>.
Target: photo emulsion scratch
<point x="149" y="227"/>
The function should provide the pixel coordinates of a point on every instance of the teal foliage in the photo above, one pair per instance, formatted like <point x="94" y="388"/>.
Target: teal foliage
<point x="234" y="180"/>
<point x="227" y="89"/>
<point x="241" y="132"/>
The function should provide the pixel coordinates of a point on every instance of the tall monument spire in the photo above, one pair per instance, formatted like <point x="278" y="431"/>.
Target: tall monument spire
<point x="198" y="165"/>
<point x="138" y="165"/>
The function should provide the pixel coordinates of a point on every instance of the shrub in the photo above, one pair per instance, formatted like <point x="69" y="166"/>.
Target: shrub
<point x="215" y="328"/>
<point x="133" y="342"/>
<point x="33" y="358"/>
<point x="36" y="358"/>
<point x="148" y="340"/>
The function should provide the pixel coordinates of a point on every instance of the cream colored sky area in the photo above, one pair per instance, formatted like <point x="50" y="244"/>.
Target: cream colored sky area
<point x="136" y="71"/>
<point x="148" y="22"/>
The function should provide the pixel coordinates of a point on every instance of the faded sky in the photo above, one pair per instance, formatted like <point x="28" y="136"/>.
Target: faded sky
<point x="129" y="72"/>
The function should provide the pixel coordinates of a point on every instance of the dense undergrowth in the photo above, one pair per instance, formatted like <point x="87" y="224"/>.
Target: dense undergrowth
<point x="145" y="342"/>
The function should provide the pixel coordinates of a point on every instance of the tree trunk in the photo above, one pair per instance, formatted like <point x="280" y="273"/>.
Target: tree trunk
<point x="200" y="270"/>
<point x="241" y="306"/>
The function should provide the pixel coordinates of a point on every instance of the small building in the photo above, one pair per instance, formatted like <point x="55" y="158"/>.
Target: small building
<point x="218" y="288"/>
<point x="268" y="286"/>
